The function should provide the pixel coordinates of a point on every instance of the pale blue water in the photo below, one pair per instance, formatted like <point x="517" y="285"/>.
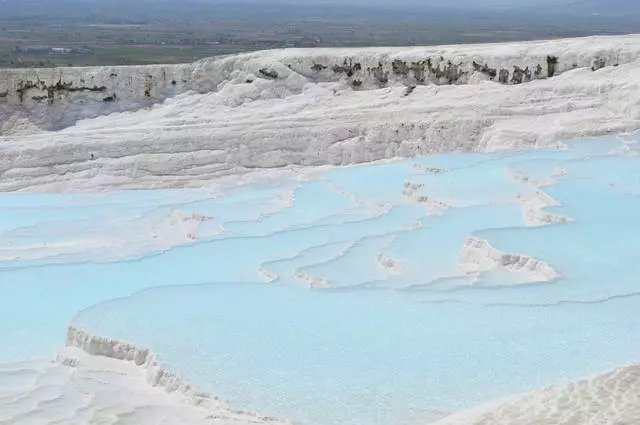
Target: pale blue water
<point x="362" y="357"/>
<point x="380" y="345"/>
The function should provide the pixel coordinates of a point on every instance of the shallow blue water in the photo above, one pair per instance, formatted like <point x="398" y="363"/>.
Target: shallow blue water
<point x="339" y="300"/>
<point x="361" y="357"/>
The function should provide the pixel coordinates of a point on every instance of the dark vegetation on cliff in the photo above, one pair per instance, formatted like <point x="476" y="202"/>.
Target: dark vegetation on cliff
<point x="119" y="32"/>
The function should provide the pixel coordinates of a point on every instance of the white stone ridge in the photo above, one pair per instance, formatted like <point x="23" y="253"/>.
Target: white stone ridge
<point x="412" y="192"/>
<point x="608" y="399"/>
<point x="534" y="203"/>
<point x="80" y="389"/>
<point x="533" y="209"/>
<point x="477" y="256"/>
<point x="56" y="98"/>
<point x="157" y="375"/>
<point x="225" y="116"/>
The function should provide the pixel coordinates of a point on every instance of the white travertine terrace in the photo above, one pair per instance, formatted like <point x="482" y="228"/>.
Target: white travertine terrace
<point x="157" y="376"/>
<point x="180" y="125"/>
<point x="87" y="129"/>
<point x="478" y="256"/>
<point x="80" y="388"/>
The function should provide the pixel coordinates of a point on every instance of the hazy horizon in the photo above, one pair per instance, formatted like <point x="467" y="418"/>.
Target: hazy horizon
<point x="173" y="31"/>
<point x="577" y="6"/>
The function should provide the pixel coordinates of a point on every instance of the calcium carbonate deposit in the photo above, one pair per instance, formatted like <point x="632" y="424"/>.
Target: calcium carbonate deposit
<point x="389" y="236"/>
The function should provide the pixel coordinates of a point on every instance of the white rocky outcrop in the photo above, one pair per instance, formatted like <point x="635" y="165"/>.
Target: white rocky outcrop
<point x="234" y="114"/>
<point x="157" y="375"/>
<point x="533" y="209"/>
<point x="56" y="98"/>
<point x="80" y="389"/>
<point x="477" y="256"/>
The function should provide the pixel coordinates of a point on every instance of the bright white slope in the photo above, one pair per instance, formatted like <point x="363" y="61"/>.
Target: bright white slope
<point x="81" y="389"/>
<point x="609" y="399"/>
<point x="306" y="107"/>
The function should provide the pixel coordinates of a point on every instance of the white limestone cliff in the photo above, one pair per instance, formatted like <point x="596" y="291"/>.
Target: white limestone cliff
<point x="281" y="108"/>
<point x="56" y="98"/>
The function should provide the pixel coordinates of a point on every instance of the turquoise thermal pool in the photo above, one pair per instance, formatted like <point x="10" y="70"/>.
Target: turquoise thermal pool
<point x="383" y="294"/>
